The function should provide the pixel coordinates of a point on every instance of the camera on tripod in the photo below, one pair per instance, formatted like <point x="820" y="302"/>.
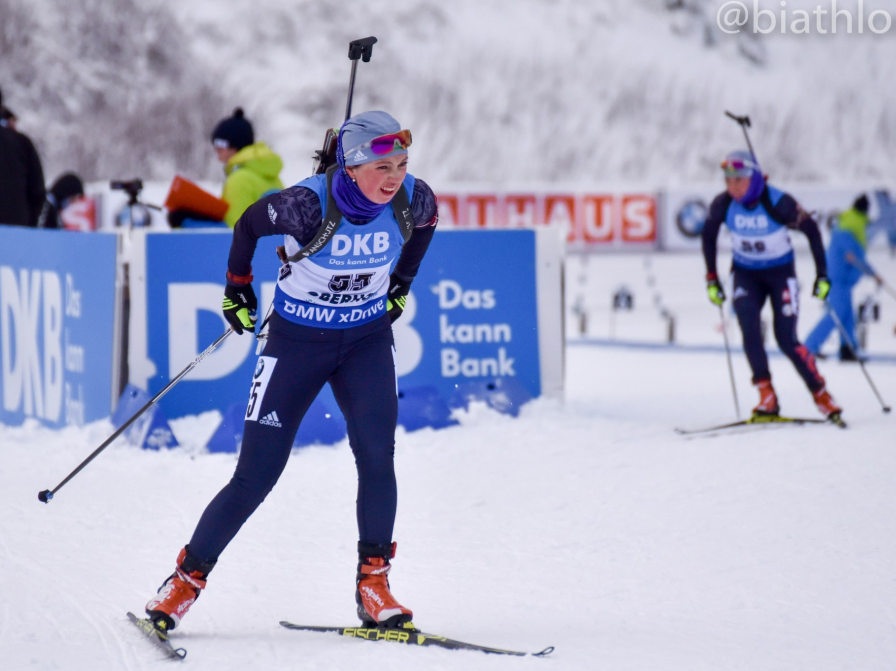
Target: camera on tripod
<point x="131" y="187"/>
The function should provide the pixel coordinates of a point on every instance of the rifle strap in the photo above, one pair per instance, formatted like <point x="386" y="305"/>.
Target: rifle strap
<point x="327" y="228"/>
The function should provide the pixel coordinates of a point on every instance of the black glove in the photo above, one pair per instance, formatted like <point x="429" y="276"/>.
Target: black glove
<point x="397" y="296"/>
<point x="240" y="306"/>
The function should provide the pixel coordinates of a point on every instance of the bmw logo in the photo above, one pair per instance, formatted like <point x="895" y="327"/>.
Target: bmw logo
<point x="259" y="367"/>
<point x="691" y="218"/>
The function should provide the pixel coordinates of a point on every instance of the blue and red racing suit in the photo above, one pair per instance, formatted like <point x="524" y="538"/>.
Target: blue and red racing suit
<point x="763" y="267"/>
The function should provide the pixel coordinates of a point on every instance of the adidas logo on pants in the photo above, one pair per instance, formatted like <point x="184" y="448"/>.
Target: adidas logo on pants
<point x="271" y="419"/>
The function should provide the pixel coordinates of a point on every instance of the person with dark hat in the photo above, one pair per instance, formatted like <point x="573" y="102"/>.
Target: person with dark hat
<point x="252" y="169"/>
<point x="22" y="190"/>
<point x="847" y="265"/>
<point x="65" y="190"/>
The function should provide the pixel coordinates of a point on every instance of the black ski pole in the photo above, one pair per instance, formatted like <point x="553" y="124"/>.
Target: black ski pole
<point x="48" y="494"/>
<point x="744" y="123"/>
<point x="730" y="365"/>
<point x="848" y="341"/>
<point x="358" y="49"/>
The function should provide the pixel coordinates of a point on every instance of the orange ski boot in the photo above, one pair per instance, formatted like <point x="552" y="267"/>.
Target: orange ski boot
<point x="826" y="405"/>
<point x="376" y="605"/>
<point x="768" y="400"/>
<point x="179" y="591"/>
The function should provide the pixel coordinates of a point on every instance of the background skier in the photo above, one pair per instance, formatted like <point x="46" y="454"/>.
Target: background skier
<point x="758" y="217"/>
<point x="847" y="265"/>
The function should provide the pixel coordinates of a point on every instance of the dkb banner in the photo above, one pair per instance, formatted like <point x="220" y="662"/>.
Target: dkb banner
<point x="473" y="315"/>
<point x="57" y="325"/>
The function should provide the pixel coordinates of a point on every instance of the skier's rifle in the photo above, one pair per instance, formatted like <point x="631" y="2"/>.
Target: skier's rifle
<point x="357" y="50"/>
<point x="744" y="123"/>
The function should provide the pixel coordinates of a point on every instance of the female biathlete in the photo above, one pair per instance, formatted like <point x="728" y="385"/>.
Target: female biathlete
<point x="758" y="217"/>
<point x="331" y="322"/>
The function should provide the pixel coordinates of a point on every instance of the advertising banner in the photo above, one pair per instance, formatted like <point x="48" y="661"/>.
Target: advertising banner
<point x="594" y="221"/>
<point x="57" y="325"/>
<point x="473" y="314"/>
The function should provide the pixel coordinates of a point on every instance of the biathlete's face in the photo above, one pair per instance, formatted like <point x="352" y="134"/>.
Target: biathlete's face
<point x="379" y="180"/>
<point x="737" y="186"/>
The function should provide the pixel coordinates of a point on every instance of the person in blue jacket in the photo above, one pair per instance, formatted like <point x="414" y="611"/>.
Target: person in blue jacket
<point x="759" y="218"/>
<point x="847" y="265"/>
<point x="331" y="322"/>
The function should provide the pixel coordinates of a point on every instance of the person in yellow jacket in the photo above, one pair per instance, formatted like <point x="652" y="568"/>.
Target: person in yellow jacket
<point x="252" y="169"/>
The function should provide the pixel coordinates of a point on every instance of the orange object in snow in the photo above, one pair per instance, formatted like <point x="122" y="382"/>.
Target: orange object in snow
<point x="185" y="195"/>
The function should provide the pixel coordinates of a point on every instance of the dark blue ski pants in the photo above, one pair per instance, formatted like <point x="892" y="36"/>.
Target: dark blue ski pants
<point x="751" y="289"/>
<point x="296" y="363"/>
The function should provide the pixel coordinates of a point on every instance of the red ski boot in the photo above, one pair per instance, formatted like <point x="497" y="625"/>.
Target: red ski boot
<point x="179" y="591"/>
<point x="376" y="605"/>
<point x="825" y="404"/>
<point x="768" y="400"/>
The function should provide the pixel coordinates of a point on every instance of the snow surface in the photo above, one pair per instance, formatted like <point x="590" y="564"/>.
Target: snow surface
<point x="585" y="524"/>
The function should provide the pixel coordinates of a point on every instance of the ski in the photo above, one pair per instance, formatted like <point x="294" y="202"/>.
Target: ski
<point x="765" y="420"/>
<point x="412" y="636"/>
<point x="158" y="638"/>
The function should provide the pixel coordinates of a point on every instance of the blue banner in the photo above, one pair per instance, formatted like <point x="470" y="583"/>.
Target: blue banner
<point x="185" y="280"/>
<point x="471" y="316"/>
<point x="57" y="324"/>
<point x="473" y="313"/>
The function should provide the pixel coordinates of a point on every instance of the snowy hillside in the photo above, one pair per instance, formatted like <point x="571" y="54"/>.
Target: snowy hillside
<point x="501" y="91"/>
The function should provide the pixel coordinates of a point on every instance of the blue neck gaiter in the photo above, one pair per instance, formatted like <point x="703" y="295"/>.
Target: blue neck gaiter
<point x="354" y="205"/>
<point x="754" y="191"/>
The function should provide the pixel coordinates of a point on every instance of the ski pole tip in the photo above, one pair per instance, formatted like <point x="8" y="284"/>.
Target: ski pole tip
<point x="887" y="408"/>
<point x="45" y="496"/>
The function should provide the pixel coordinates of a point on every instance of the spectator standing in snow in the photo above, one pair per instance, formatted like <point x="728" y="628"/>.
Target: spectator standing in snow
<point x="252" y="169"/>
<point x="846" y="265"/>
<point x="22" y="190"/>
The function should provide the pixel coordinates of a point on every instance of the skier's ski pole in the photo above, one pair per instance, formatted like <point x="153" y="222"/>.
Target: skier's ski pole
<point x="886" y="287"/>
<point x="848" y="340"/>
<point x="48" y="494"/>
<point x="744" y="123"/>
<point x="730" y="366"/>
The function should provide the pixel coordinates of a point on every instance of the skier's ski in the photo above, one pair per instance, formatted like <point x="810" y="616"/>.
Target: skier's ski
<point x="158" y="638"/>
<point x="412" y="636"/>
<point x="761" y="420"/>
